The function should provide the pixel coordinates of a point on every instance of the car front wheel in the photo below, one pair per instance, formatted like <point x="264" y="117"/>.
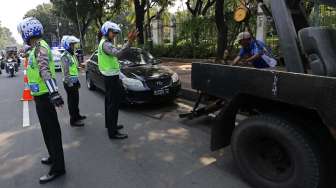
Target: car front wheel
<point x="89" y="82"/>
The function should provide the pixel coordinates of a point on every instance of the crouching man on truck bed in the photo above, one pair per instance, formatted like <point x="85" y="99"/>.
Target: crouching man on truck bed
<point x="254" y="52"/>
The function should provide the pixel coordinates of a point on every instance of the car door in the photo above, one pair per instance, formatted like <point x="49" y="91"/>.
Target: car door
<point x="91" y="66"/>
<point x="98" y="77"/>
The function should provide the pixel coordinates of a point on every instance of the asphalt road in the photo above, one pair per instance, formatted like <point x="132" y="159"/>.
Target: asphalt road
<point x="162" y="151"/>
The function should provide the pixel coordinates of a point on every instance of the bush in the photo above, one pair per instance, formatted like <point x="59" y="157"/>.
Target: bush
<point x="184" y="50"/>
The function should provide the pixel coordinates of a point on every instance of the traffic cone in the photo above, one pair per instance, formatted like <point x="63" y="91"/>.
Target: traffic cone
<point x="26" y="96"/>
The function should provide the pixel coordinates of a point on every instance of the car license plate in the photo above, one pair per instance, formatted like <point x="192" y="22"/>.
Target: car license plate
<point x="161" y="92"/>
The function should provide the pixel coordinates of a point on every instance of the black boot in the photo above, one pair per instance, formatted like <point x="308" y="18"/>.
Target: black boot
<point x="50" y="177"/>
<point x="118" y="136"/>
<point x="80" y="117"/>
<point x="76" y="123"/>
<point x="46" y="161"/>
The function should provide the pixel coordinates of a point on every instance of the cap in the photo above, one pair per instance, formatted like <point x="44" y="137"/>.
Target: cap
<point x="243" y="35"/>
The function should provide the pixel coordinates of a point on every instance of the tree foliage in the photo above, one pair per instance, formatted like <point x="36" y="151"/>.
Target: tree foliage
<point x="86" y="13"/>
<point x="6" y="38"/>
<point x="142" y="7"/>
<point x="86" y="10"/>
<point x="54" y="25"/>
<point x="199" y="7"/>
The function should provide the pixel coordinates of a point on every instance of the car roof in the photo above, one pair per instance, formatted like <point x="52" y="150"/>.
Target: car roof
<point x="132" y="48"/>
<point x="57" y="48"/>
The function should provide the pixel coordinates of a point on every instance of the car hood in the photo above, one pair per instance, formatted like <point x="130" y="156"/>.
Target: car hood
<point x="147" y="72"/>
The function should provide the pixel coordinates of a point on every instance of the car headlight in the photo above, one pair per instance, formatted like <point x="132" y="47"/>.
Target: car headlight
<point x="175" y="77"/>
<point x="133" y="84"/>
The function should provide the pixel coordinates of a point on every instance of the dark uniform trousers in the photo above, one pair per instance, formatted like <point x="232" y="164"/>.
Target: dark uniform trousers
<point x="113" y="98"/>
<point x="51" y="132"/>
<point x="73" y="102"/>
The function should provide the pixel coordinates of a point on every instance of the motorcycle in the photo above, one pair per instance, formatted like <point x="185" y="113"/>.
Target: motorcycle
<point x="2" y="64"/>
<point x="11" y="67"/>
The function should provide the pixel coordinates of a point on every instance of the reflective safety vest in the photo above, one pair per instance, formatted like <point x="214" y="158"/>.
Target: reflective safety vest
<point x="108" y="65"/>
<point x="73" y="67"/>
<point x="36" y="83"/>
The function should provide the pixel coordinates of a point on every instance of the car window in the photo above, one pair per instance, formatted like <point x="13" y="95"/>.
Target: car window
<point x="136" y="57"/>
<point x="129" y="55"/>
<point x="147" y="56"/>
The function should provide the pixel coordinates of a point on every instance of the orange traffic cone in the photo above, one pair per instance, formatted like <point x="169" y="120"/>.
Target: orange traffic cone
<point x="26" y="96"/>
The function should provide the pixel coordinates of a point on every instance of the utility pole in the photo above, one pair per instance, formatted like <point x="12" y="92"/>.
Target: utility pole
<point x="149" y="30"/>
<point x="58" y="32"/>
<point x="261" y="24"/>
<point x="79" y="28"/>
<point x="59" y="25"/>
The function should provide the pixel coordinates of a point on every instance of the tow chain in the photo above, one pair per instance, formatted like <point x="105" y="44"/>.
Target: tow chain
<point x="275" y="84"/>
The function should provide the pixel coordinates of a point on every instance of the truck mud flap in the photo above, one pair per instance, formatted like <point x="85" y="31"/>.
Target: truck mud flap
<point x="222" y="129"/>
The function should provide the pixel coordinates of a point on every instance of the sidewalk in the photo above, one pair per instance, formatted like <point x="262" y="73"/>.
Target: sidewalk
<point x="183" y="69"/>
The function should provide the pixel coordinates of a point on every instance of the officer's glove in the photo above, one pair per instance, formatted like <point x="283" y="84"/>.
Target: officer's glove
<point x="56" y="99"/>
<point x="69" y="84"/>
<point x="78" y="85"/>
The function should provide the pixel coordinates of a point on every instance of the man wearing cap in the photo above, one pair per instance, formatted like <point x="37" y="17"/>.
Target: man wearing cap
<point x="254" y="52"/>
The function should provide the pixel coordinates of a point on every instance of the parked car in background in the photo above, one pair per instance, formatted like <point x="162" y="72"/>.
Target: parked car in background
<point x="143" y="78"/>
<point x="80" y="55"/>
<point x="57" y="54"/>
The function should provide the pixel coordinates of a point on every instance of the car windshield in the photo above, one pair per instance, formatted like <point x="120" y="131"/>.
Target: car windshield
<point x="136" y="58"/>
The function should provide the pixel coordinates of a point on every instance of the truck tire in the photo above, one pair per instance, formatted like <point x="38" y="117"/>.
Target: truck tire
<point x="273" y="153"/>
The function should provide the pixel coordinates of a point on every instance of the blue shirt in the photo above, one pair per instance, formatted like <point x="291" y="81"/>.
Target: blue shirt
<point x="252" y="50"/>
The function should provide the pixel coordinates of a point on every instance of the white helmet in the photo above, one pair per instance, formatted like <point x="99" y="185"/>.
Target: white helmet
<point x="110" y="26"/>
<point x="67" y="40"/>
<point x="29" y="28"/>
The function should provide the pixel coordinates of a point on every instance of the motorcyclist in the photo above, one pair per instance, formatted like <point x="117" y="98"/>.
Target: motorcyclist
<point x="70" y="81"/>
<point x="2" y="58"/>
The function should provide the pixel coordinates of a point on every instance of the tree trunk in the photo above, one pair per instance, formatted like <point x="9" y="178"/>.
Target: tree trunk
<point x="221" y="28"/>
<point x="139" y="20"/>
<point x="195" y="39"/>
<point x="148" y="30"/>
<point x="139" y="24"/>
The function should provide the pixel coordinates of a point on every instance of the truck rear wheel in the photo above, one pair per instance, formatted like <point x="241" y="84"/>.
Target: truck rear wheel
<point x="273" y="153"/>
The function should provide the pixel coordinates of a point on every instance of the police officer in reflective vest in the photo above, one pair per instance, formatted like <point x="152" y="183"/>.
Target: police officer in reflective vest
<point x="70" y="80"/>
<point x="109" y="66"/>
<point x="42" y="82"/>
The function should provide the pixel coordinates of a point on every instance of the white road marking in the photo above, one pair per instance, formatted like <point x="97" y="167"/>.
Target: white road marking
<point x="25" y="116"/>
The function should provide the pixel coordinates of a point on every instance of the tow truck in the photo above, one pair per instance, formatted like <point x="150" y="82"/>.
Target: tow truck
<point x="288" y="137"/>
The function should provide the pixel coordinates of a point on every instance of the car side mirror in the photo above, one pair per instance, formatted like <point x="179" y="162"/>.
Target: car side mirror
<point x="157" y="61"/>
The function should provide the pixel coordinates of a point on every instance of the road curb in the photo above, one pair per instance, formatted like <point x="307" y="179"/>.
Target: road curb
<point x="180" y="60"/>
<point x="188" y="94"/>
